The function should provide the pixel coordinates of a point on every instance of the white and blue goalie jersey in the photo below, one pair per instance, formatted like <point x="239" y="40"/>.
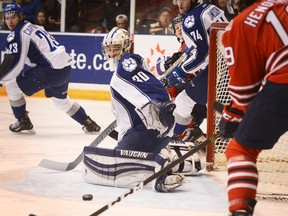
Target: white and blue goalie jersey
<point x="132" y="86"/>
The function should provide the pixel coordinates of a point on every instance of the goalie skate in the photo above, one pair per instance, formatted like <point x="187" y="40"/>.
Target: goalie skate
<point x="166" y="183"/>
<point x="90" y="127"/>
<point x="23" y="125"/>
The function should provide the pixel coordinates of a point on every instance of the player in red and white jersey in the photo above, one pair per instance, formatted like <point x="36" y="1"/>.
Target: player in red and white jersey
<point x="256" y="48"/>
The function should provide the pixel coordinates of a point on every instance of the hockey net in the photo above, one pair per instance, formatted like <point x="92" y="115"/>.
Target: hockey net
<point x="272" y="164"/>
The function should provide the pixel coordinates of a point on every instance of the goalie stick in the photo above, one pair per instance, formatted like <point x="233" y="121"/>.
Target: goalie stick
<point x="157" y="174"/>
<point x="62" y="166"/>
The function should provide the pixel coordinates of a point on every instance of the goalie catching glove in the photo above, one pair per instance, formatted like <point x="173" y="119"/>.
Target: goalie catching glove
<point x="231" y="117"/>
<point x="158" y="115"/>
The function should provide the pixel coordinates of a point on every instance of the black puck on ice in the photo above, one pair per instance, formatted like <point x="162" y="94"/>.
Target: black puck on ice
<point x="87" y="197"/>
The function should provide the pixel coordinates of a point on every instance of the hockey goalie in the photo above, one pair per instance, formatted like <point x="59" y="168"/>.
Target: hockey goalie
<point x="144" y="115"/>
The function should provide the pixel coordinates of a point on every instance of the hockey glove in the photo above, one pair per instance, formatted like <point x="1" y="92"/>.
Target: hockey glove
<point x="176" y="76"/>
<point x="166" y="114"/>
<point x="168" y="63"/>
<point x="230" y="120"/>
<point x="163" y="81"/>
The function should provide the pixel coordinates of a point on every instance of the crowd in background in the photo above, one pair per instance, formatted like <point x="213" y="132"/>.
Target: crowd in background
<point x="100" y="16"/>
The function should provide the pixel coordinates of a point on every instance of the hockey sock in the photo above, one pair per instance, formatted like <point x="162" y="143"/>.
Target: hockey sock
<point x="80" y="116"/>
<point x="18" y="107"/>
<point x="242" y="175"/>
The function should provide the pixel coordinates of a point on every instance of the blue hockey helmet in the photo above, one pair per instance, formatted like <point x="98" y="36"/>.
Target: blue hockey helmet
<point x="13" y="8"/>
<point x="177" y="19"/>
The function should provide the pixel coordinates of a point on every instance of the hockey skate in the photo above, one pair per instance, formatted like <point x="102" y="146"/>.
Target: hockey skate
<point x="248" y="212"/>
<point x="90" y="126"/>
<point x="23" y="125"/>
<point x="166" y="183"/>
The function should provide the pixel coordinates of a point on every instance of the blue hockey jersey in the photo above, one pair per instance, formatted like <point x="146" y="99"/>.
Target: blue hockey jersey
<point x="195" y="30"/>
<point x="31" y="45"/>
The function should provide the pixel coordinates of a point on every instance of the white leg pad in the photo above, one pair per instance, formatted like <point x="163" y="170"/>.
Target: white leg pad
<point x="119" y="168"/>
<point x="190" y="165"/>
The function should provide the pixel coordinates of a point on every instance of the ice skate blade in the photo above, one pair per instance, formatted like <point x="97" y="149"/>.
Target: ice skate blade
<point x="90" y="132"/>
<point x="31" y="131"/>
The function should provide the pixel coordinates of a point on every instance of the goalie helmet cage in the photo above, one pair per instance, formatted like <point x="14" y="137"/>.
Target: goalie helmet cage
<point x="272" y="164"/>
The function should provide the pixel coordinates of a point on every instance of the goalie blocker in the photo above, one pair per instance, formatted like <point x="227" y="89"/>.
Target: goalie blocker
<point x="126" y="168"/>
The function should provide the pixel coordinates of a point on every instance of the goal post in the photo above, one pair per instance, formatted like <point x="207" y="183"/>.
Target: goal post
<point x="272" y="164"/>
<point x="217" y="65"/>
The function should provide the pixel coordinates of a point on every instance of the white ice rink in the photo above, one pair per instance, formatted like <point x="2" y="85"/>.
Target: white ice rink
<point x="27" y="189"/>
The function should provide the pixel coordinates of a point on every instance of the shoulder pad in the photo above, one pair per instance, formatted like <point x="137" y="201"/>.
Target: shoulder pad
<point x="11" y="36"/>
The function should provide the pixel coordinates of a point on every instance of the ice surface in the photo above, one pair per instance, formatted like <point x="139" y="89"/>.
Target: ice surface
<point x="26" y="188"/>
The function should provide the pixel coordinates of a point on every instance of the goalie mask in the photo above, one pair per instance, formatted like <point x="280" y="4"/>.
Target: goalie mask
<point x="115" y="44"/>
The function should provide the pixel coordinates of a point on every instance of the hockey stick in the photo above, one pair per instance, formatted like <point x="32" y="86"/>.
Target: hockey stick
<point x="157" y="174"/>
<point x="218" y="106"/>
<point x="8" y="59"/>
<point x="61" y="166"/>
<point x="178" y="62"/>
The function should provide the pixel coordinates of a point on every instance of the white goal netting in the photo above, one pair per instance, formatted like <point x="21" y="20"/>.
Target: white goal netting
<point x="272" y="164"/>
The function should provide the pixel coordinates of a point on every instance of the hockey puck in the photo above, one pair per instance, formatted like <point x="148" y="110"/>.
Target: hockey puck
<point x="87" y="197"/>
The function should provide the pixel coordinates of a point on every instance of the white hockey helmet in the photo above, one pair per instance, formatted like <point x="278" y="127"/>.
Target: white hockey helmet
<point x="120" y="37"/>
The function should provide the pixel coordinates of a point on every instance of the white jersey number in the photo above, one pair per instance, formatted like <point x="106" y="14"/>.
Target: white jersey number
<point x="275" y="22"/>
<point x="52" y="43"/>
<point x="140" y="77"/>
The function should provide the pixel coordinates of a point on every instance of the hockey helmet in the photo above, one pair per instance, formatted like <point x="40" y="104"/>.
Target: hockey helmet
<point x="177" y="19"/>
<point x="116" y="43"/>
<point x="13" y="9"/>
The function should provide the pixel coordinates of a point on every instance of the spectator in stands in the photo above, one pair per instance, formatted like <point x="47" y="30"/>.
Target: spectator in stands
<point x="97" y="28"/>
<point x="72" y="17"/>
<point x="122" y="21"/>
<point x="92" y="14"/>
<point x="41" y="19"/>
<point x="227" y="8"/>
<point x="113" y="8"/>
<point x="53" y="10"/>
<point x="162" y="26"/>
<point x="29" y="7"/>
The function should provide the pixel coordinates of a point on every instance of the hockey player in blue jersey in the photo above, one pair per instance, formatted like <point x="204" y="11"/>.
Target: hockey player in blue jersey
<point x="50" y="67"/>
<point x="195" y="30"/>
<point x="144" y="115"/>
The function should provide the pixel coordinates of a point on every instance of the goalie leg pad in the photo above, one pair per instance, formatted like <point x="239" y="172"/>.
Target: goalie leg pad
<point x="119" y="168"/>
<point x="192" y="164"/>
